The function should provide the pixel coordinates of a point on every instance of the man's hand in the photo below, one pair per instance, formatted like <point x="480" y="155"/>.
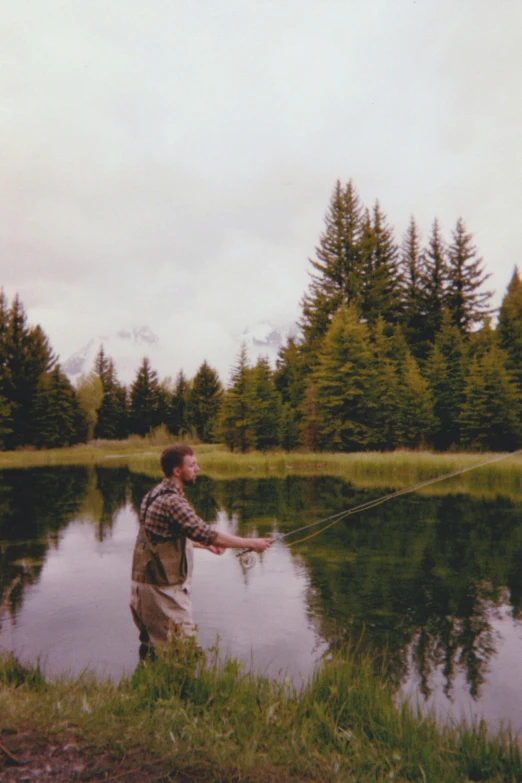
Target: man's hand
<point x="217" y="550"/>
<point x="260" y="544"/>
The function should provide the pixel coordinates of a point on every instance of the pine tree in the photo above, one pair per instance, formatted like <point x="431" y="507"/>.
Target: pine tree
<point x="236" y="421"/>
<point x="267" y="406"/>
<point x="384" y="394"/>
<point x="434" y="282"/>
<point x="290" y="373"/>
<point x="310" y="419"/>
<point x="29" y="357"/>
<point x="446" y="369"/>
<point x="145" y="400"/>
<point x="510" y="327"/>
<point x="89" y="390"/>
<point x="412" y="268"/>
<point x="418" y="419"/>
<point x="288" y="428"/>
<point x="467" y="304"/>
<point x="104" y="367"/>
<point x="336" y="276"/>
<point x="177" y="418"/>
<point x="112" y="415"/>
<point x="402" y="400"/>
<point x="382" y="282"/>
<point x="483" y="340"/>
<point x="343" y="379"/>
<point x="6" y="421"/>
<point x="58" y="416"/>
<point x="204" y="402"/>
<point x="489" y="419"/>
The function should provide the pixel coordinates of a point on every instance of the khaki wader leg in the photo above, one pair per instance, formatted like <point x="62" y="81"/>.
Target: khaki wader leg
<point x="161" y="612"/>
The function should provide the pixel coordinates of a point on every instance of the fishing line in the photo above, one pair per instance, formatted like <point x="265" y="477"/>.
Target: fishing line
<point x="332" y="520"/>
<point x="246" y="555"/>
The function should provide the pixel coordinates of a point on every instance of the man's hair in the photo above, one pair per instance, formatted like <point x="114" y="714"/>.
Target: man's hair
<point x="173" y="456"/>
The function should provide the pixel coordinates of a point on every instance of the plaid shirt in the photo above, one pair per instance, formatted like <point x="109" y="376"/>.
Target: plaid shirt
<point x="170" y="515"/>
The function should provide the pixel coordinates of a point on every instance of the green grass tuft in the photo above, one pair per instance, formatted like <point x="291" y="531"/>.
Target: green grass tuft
<point x="201" y="715"/>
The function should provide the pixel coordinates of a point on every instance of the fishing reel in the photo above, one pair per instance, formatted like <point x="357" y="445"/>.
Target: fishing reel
<point x="247" y="558"/>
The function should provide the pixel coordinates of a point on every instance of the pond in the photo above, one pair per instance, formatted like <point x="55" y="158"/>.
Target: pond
<point x="432" y="582"/>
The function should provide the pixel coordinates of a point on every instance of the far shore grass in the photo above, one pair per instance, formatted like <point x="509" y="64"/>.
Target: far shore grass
<point x="211" y="722"/>
<point x="483" y="473"/>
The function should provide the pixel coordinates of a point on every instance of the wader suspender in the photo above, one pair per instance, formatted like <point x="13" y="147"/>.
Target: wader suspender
<point x="148" y="543"/>
<point x="151" y="500"/>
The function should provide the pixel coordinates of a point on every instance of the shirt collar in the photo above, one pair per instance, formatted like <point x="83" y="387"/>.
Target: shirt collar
<point x="171" y="485"/>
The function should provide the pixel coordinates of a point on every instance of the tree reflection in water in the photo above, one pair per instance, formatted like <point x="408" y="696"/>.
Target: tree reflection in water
<point x="34" y="506"/>
<point x="420" y="580"/>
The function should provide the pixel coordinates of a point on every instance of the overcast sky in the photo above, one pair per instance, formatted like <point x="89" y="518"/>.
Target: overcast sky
<point x="170" y="163"/>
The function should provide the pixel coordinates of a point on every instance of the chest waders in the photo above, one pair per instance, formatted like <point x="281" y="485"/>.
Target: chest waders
<point x="157" y="561"/>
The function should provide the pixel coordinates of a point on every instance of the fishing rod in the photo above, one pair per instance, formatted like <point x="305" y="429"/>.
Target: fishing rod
<point x="248" y="559"/>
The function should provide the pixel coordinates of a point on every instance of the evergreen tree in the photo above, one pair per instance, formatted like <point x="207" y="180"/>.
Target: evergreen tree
<point x="446" y="369"/>
<point x="434" y="282"/>
<point x="59" y="418"/>
<point x="145" y="403"/>
<point x="104" y="368"/>
<point x="267" y="406"/>
<point x="489" y="419"/>
<point x="403" y="406"/>
<point x="288" y="429"/>
<point x="337" y="271"/>
<point x="112" y="415"/>
<point x="177" y="418"/>
<point x="343" y="378"/>
<point x="382" y="282"/>
<point x="510" y="327"/>
<point x="467" y="304"/>
<point x="236" y="421"/>
<point x="483" y="340"/>
<point x="89" y="390"/>
<point x="411" y="264"/>
<point x="290" y="373"/>
<point x="310" y="420"/>
<point x="418" y="420"/>
<point x="385" y="394"/>
<point x="204" y="402"/>
<point x="6" y="421"/>
<point x="28" y="358"/>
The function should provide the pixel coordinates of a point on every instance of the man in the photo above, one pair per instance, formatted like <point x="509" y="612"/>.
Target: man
<point x="163" y="555"/>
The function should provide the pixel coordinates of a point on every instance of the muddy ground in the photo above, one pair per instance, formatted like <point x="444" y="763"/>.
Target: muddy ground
<point x="26" y="757"/>
<point x="29" y="757"/>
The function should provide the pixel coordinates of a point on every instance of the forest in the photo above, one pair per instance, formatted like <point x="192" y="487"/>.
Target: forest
<point x="398" y="347"/>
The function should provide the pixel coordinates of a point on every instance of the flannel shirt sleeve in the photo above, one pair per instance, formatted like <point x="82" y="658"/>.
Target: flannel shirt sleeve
<point x="183" y="516"/>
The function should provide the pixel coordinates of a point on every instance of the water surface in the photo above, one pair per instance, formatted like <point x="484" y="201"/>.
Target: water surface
<point x="433" y="582"/>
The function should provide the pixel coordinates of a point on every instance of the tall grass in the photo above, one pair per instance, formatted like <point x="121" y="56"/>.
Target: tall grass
<point x="397" y="469"/>
<point x="202" y="716"/>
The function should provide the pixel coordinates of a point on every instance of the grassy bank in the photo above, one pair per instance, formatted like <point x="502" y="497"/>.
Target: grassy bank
<point x="364" y="469"/>
<point x="215" y="723"/>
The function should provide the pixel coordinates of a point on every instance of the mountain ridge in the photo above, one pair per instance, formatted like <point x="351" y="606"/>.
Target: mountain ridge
<point x="128" y="346"/>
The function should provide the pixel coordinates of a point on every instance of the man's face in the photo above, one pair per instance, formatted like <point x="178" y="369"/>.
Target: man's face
<point x="189" y="469"/>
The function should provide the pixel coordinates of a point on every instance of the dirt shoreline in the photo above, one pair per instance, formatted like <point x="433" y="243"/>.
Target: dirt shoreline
<point x="27" y="756"/>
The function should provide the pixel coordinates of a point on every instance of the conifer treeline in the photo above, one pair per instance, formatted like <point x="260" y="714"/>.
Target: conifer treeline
<point x="38" y="405"/>
<point x="396" y="350"/>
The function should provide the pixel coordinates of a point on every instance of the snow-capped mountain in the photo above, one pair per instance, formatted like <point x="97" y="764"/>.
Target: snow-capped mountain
<point x="126" y="348"/>
<point x="265" y="339"/>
